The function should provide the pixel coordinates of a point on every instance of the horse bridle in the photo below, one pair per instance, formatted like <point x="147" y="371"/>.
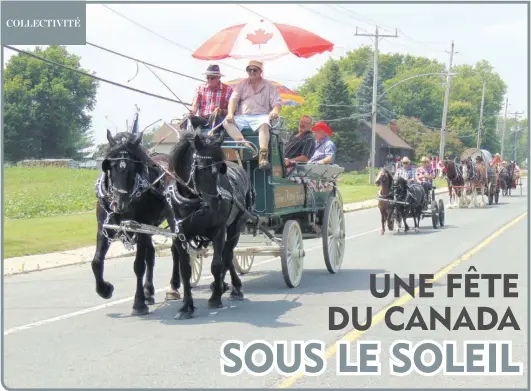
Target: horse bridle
<point x="140" y="186"/>
<point x="197" y="165"/>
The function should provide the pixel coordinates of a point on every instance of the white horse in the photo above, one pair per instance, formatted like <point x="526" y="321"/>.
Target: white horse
<point x="476" y="177"/>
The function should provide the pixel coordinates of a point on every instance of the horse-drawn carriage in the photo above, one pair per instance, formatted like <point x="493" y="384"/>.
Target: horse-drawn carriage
<point x="304" y="203"/>
<point x="401" y="201"/>
<point x="489" y="184"/>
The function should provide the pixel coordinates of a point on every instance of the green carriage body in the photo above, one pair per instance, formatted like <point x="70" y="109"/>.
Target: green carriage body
<point x="289" y="210"/>
<point x="278" y="198"/>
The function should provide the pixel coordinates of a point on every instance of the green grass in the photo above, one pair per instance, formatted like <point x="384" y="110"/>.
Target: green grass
<point x="44" y="192"/>
<point x="53" y="209"/>
<point x="43" y="235"/>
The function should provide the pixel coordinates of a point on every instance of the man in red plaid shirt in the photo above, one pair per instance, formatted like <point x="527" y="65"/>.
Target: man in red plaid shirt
<point x="211" y="101"/>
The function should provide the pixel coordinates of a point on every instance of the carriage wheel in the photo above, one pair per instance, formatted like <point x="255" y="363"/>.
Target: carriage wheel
<point x="490" y="192"/>
<point x="197" y="267"/>
<point x="333" y="235"/>
<point x="292" y="253"/>
<point x="441" y="213"/>
<point x="243" y="263"/>
<point x="434" y="215"/>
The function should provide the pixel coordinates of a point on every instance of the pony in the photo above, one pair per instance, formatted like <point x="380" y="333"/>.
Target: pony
<point x="413" y="196"/>
<point x="129" y="188"/>
<point x="476" y="176"/>
<point x="384" y="181"/>
<point x="213" y="200"/>
<point x="451" y="171"/>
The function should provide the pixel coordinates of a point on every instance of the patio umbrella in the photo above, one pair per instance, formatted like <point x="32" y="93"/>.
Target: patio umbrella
<point x="262" y="41"/>
<point x="289" y="97"/>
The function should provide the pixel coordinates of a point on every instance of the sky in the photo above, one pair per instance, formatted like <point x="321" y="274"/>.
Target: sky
<point x="495" y="32"/>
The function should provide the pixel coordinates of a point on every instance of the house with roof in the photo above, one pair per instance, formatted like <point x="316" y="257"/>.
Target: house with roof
<point x="388" y="142"/>
<point x="165" y="137"/>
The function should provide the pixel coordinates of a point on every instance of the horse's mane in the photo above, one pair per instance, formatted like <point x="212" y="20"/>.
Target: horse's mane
<point x="388" y="173"/>
<point x="179" y="155"/>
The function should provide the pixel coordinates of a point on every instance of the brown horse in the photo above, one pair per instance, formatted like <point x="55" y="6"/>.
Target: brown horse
<point x="476" y="176"/>
<point x="384" y="180"/>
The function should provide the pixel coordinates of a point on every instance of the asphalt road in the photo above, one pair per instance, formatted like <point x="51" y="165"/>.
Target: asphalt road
<point x="59" y="333"/>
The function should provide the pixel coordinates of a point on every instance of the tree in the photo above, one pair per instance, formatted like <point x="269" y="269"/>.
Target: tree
<point x="425" y="141"/>
<point x="46" y="106"/>
<point x="364" y="98"/>
<point x="335" y="106"/>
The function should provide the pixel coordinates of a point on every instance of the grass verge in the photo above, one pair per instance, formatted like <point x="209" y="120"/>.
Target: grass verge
<point x="45" y="234"/>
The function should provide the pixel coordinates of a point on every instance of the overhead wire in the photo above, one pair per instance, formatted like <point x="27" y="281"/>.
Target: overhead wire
<point x="45" y="60"/>
<point x="144" y="62"/>
<point x="178" y="44"/>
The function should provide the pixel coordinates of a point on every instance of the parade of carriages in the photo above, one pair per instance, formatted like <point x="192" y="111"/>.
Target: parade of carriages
<point x="229" y="191"/>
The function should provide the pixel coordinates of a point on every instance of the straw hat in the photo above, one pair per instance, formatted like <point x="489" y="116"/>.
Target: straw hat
<point x="405" y="159"/>
<point x="424" y="159"/>
<point x="256" y="63"/>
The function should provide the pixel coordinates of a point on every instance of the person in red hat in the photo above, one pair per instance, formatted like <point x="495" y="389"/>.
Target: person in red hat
<point x="325" y="149"/>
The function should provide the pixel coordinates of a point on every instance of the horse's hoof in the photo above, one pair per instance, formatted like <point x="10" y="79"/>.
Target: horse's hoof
<point x="107" y="291"/>
<point x="416" y="230"/>
<point x="216" y="303"/>
<point x="184" y="315"/>
<point x="172" y="296"/>
<point x="140" y="311"/>
<point x="236" y="296"/>
<point x="150" y="300"/>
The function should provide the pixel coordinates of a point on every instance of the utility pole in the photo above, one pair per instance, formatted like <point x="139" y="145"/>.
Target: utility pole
<point x="445" y="108"/>
<point x="377" y="37"/>
<point x="481" y="116"/>
<point x="504" y="127"/>
<point x="516" y="130"/>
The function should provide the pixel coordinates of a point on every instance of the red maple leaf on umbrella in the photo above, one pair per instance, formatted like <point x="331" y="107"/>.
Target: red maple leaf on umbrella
<point x="259" y="37"/>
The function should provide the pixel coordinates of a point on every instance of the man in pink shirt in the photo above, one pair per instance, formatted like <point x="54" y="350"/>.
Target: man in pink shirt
<point x="253" y="103"/>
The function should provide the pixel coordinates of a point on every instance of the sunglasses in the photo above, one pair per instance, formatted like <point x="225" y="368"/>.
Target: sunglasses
<point x="212" y="77"/>
<point x="253" y="70"/>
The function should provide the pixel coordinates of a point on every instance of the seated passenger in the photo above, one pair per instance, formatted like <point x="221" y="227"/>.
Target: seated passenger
<point x="301" y="145"/>
<point x="425" y="175"/>
<point x="258" y="101"/>
<point x="325" y="149"/>
<point x="405" y="171"/>
<point x="496" y="162"/>
<point x="212" y="99"/>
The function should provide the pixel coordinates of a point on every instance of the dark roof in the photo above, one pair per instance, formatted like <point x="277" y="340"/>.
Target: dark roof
<point x="388" y="136"/>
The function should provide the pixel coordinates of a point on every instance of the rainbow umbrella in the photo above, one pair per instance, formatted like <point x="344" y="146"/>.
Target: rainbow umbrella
<point x="289" y="97"/>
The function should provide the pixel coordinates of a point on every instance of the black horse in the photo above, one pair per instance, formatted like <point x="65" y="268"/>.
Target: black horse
<point x="130" y="188"/>
<point x="413" y="195"/>
<point x="211" y="199"/>
<point x="506" y="177"/>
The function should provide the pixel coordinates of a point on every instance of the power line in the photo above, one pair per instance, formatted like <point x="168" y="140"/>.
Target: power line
<point x="256" y="13"/>
<point x="144" y="62"/>
<point x="178" y="44"/>
<point x="93" y="76"/>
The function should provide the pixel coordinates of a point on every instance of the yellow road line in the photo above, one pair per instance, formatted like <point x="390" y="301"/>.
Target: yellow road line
<point x="380" y="316"/>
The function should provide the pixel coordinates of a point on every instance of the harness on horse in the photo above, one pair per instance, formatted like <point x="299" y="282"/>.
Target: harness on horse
<point x="105" y="197"/>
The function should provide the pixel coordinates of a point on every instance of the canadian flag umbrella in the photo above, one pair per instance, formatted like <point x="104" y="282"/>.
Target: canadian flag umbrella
<point x="262" y="41"/>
